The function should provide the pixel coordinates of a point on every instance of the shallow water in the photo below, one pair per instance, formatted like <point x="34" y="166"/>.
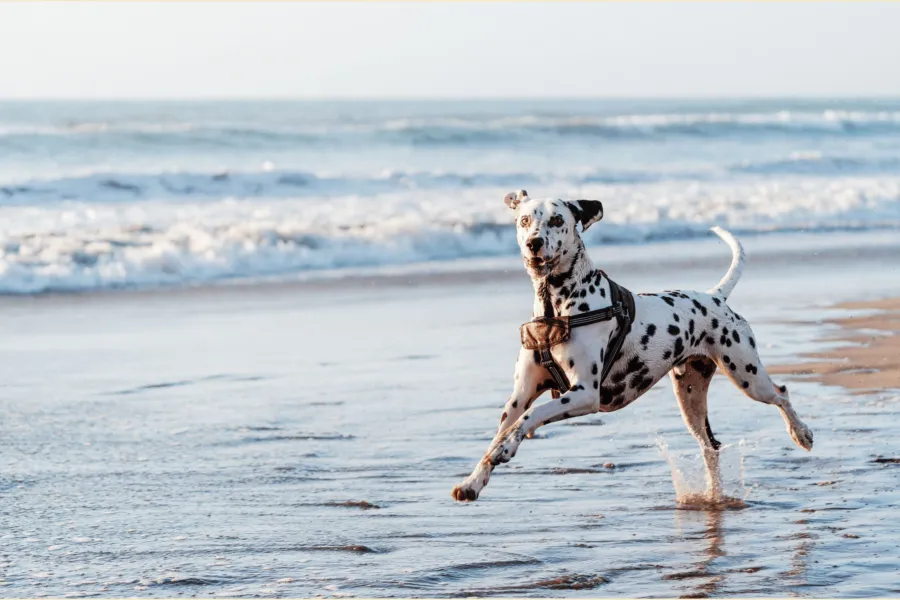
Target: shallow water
<point x="293" y="441"/>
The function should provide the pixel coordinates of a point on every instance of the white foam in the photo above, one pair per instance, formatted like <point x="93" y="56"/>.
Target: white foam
<point x="67" y="245"/>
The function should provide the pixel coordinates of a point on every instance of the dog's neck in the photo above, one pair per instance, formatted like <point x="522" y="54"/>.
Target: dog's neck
<point x="558" y="293"/>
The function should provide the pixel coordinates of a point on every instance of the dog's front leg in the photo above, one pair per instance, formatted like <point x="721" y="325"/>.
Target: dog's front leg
<point x="531" y="379"/>
<point x="577" y="402"/>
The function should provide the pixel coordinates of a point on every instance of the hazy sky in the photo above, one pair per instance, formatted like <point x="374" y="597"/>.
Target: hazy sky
<point x="181" y="50"/>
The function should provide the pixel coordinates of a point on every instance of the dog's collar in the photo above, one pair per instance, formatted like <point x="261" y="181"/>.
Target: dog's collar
<point x="542" y="333"/>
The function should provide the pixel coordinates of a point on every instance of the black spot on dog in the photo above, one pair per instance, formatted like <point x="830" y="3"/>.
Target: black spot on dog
<point x="667" y="355"/>
<point x="700" y="338"/>
<point x="596" y="384"/>
<point x="710" y="340"/>
<point x="583" y="293"/>
<point x="577" y="388"/>
<point x="726" y="359"/>
<point x="728" y="343"/>
<point x="634" y="365"/>
<point x="722" y="340"/>
<point x="593" y="289"/>
<point x="651" y="330"/>
<point x="782" y="389"/>
<point x="545" y="385"/>
<point x="715" y="324"/>
<point x="725" y="330"/>
<point x="502" y="417"/>
<point x="745" y="385"/>
<point x="751" y="369"/>
<point x="691" y="327"/>
<point x="737" y="338"/>
<point x="752" y="342"/>
<point x="700" y="307"/>
<point x="704" y="367"/>
<point x="679" y="347"/>
<point x="733" y="367"/>
<point x="675" y="316"/>
<point x="571" y="362"/>
<point x="594" y="369"/>
<point x="717" y="301"/>
<point x="674" y="330"/>
<point x="584" y="307"/>
<point x="563" y="400"/>
<point x="668" y="301"/>
<point x="603" y="292"/>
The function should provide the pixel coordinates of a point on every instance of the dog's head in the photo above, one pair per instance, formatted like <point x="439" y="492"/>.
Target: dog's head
<point x="546" y="229"/>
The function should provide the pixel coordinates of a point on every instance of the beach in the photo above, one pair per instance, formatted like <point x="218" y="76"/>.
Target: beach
<point x="301" y="438"/>
<point x="250" y="347"/>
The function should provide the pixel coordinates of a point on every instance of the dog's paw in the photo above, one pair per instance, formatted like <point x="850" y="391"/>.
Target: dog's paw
<point x="464" y="493"/>
<point x="802" y="436"/>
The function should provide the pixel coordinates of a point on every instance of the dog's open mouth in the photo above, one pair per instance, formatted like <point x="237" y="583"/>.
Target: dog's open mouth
<point x="539" y="264"/>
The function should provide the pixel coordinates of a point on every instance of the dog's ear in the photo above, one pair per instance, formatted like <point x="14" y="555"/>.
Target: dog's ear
<point x="586" y="212"/>
<point x="512" y="199"/>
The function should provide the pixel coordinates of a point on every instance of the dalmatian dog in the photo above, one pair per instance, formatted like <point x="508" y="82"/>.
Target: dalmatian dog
<point x="686" y="334"/>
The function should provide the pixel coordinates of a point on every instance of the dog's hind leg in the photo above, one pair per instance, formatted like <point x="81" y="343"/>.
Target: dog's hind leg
<point x="691" y="384"/>
<point x="741" y="363"/>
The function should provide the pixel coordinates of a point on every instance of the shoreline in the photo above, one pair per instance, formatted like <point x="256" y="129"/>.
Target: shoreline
<point x="866" y="357"/>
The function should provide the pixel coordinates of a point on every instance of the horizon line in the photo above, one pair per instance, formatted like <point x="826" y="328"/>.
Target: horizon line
<point x="423" y="98"/>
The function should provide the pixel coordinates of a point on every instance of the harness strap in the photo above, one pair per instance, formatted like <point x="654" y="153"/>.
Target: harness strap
<point x="559" y="378"/>
<point x="620" y="297"/>
<point x="622" y="309"/>
<point x="595" y="316"/>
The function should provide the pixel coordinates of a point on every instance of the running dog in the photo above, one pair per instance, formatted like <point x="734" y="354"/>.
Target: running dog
<point x="684" y="333"/>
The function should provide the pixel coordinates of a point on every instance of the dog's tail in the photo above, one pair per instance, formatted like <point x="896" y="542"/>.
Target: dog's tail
<point x="728" y="282"/>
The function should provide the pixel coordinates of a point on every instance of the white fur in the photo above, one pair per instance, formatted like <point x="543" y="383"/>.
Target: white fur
<point x="671" y="334"/>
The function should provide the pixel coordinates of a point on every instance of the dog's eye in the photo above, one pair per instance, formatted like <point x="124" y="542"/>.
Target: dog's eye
<point x="556" y="221"/>
<point x="525" y="221"/>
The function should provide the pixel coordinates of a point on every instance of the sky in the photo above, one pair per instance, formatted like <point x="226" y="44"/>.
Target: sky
<point x="436" y="50"/>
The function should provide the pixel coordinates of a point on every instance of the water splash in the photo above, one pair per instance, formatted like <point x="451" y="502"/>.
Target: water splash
<point x="690" y="482"/>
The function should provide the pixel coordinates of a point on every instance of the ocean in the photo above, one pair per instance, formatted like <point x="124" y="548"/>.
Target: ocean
<point x="112" y="195"/>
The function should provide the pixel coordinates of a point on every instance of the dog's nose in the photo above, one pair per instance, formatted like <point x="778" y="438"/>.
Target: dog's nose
<point x="535" y="244"/>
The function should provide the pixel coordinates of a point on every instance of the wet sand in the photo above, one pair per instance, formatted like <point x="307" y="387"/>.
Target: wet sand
<point x="865" y="352"/>
<point x="289" y="441"/>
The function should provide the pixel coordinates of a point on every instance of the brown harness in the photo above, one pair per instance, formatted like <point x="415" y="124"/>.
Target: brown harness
<point x="542" y="333"/>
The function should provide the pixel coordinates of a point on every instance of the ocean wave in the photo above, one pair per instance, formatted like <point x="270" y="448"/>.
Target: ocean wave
<point x="88" y="246"/>
<point x="815" y="163"/>
<point x="446" y="130"/>
<point x="274" y="183"/>
<point x="269" y="182"/>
